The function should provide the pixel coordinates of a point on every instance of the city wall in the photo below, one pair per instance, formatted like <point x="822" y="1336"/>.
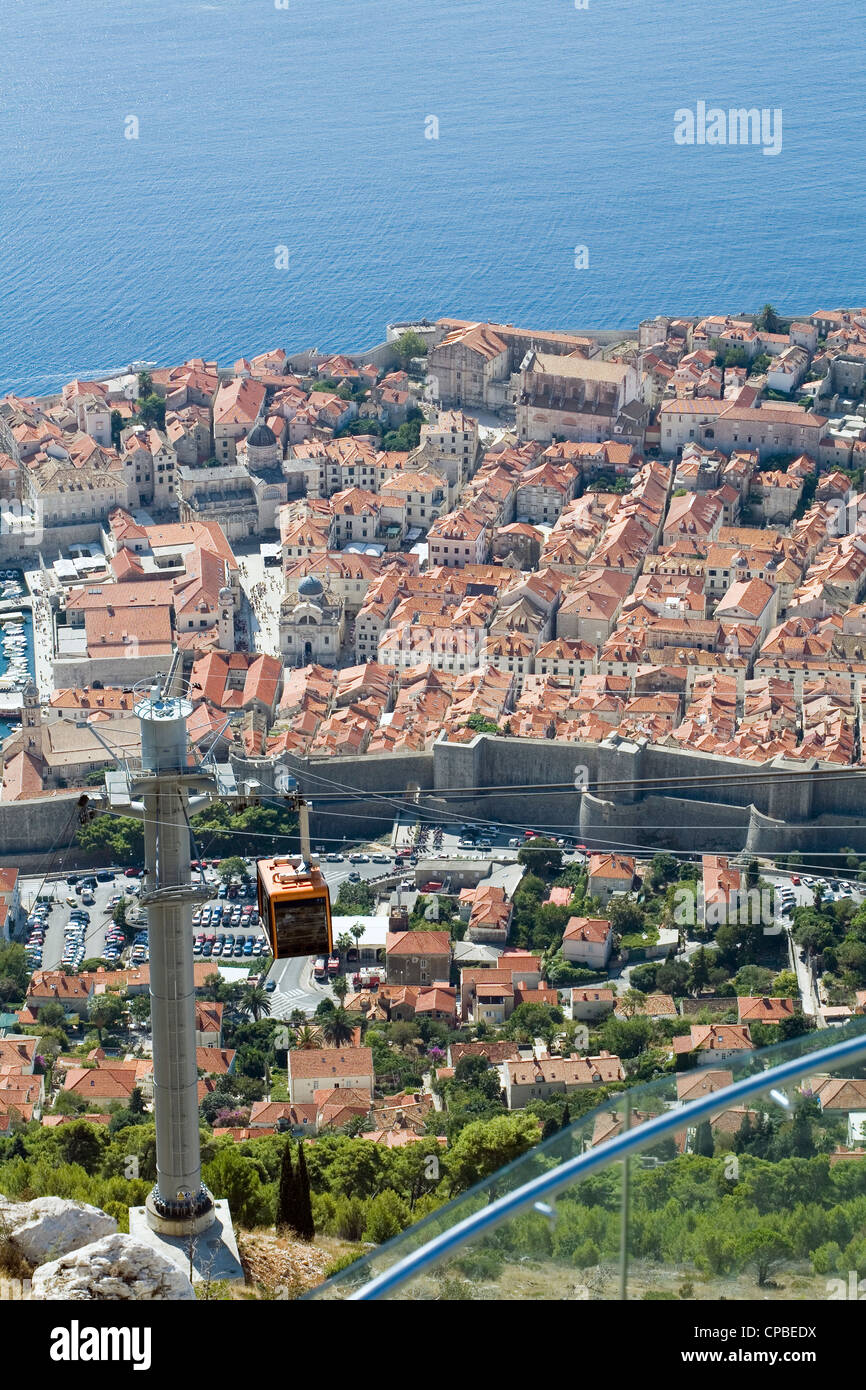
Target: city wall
<point x="49" y="541"/>
<point x="496" y="779"/>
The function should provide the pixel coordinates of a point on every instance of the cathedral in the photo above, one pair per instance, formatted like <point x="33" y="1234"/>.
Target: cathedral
<point x="312" y="625"/>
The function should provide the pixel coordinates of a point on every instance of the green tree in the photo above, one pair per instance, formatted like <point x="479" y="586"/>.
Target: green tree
<point x="136" y="1102"/>
<point x="481" y="725"/>
<point x="116" y="427"/>
<point x="151" y="410"/>
<point x="306" y="1225"/>
<point x="699" y="971"/>
<point x="785" y="985"/>
<point x="105" y="1011"/>
<point x="387" y="1215"/>
<point x="663" y="869"/>
<point x="763" y="1248"/>
<point x="139" y="1007"/>
<point x="410" y="344"/>
<point x="233" y="1177"/>
<point x="82" y="1143"/>
<point x="13" y="966"/>
<point x="475" y="1073"/>
<point x="625" y="916"/>
<point x="340" y="986"/>
<point x="52" y="1015"/>
<point x="356" y="931"/>
<point x="488" y="1145"/>
<point x="338" y="1028"/>
<point x="354" y="897"/>
<point x="255" y="1001"/>
<point x="113" y="839"/>
<point x="541" y="857"/>
<point x="233" y="867"/>
<point x="549" y="1128"/>
<point x="626" y="1037"/>
<point x="768" y="320"/>
<point x="287" y="1217"/>
<point x="704" y="1143"/>
<point x="631" y="1002"/>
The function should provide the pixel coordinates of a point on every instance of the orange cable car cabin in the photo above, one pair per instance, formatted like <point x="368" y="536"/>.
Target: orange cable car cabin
<point x="295" y="908"/>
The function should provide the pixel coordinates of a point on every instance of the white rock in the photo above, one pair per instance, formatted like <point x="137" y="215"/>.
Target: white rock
<point x="51" y="1226"/>
<point x="117" y="1267"/>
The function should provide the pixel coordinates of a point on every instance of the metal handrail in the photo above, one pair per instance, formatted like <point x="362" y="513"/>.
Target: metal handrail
<point x="548" y="1184"/>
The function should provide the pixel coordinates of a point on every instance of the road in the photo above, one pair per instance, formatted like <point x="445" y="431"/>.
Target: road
<point x="295" y="986"/>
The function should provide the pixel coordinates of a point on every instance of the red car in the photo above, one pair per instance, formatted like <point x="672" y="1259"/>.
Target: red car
<point x="795" y="878"/>
<point x="131" y="873"/>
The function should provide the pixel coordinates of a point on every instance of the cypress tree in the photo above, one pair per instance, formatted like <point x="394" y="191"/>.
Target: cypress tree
<point x="287" y="1195"/>
<point x="704" y="1141"/>
<point x="305" y="1225"/>
<point x="566" y="1117"/>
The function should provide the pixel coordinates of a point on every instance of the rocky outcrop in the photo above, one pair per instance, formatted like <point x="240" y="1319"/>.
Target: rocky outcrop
<point x="51" y="1226"/>
<point x="117" y="1267"/>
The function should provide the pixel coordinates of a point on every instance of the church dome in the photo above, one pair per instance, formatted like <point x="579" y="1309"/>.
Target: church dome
<point x="261" y="436"/>
<point x="310" y="587"/>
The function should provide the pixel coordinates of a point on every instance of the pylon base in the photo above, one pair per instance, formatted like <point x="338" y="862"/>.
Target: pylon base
<point x="215" y="1251"/>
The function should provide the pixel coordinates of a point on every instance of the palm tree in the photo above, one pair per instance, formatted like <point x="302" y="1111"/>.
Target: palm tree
<point x="357" y="931"/>
<point x="340" y="987"/>
<point x="308" y="1038"/>
<point x="256" y="1002"/>
<point x="338" y="1028"/>
<point x="344" y="942"/>
<point x="297" y="1018"/>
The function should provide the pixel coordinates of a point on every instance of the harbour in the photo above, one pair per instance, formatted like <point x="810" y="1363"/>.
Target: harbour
<point x="16" y="648"/>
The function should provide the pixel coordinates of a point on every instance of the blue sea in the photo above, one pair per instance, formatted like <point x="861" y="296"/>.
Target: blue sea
<point x="305" y="127"/>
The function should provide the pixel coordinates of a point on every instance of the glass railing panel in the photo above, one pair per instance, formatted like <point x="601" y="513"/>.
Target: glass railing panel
<point x="717" y="1206"/>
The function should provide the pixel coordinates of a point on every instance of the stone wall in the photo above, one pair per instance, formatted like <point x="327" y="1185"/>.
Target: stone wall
<point x="15" y="547"/>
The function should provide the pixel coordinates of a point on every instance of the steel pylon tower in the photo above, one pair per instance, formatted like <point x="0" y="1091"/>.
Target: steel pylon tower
<point x="162" y="789"/>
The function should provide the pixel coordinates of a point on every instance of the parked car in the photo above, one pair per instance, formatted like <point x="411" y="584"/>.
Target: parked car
<point x="270" y="986"/>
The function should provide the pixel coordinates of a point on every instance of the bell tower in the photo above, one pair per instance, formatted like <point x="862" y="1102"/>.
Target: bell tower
<point x="31" y="720"/>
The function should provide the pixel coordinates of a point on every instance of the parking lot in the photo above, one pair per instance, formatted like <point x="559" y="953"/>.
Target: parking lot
<point x="228" y="926"/>
<point x="73" y="921"/>
<point x="74" y="915"/>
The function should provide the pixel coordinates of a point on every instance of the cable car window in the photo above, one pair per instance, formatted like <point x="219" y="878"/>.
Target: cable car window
<point x="300" y="928"/>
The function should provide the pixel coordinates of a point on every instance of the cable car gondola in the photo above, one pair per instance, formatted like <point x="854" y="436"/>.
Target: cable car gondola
<point x="295" y="907"/>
